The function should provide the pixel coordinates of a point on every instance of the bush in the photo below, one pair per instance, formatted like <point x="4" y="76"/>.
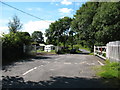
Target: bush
<point x="12" y="46"/>
<point x="76" y="47"/>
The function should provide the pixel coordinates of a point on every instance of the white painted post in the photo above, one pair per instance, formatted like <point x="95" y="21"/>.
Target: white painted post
<point x="107" y="51"/>
<point x="119" y="51"/>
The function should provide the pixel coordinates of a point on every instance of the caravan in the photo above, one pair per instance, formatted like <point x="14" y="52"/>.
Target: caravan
<point x="48" y="48"/>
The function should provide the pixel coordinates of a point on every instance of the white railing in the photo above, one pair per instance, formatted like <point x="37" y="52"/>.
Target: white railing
<point x="100" y="51"/>
<point x="111" y="51"/>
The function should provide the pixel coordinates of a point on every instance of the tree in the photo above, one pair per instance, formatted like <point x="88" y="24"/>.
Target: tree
<point x="106" y="23"/>
<point x="71" y="38"/>
<point x="97" y="23"/>
<point x="82" y="21"/>
<point x="58" y="31"/>
<point x="37" y="36"/>
<point x="12" y="45"/>
<point x="14" y="25"/>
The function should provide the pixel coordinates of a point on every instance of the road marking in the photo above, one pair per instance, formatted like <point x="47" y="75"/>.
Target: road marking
<point x="35" y="67"/>
<point x="51" y="69"/>
<point x="67" y="63"/>
<point x="100" y="63"/>
<point x="29" y="71"/>
<point x="91" y="63"/>
<point x="40" y="65"/>
<point x="76" y="63"/>
<point x="82" y="62"/>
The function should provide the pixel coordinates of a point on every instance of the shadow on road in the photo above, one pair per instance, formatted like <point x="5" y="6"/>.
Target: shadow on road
<point x="41" y="57"/>
<point x="11" y="64"/>
<point x="83" y="53"/>
<point x="55" y="82"/>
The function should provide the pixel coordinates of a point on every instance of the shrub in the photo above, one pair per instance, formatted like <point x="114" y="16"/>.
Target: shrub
<point x="12" y="46"/>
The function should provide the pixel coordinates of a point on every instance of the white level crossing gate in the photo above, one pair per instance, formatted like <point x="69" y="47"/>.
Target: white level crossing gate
<point x="111" y="51"/>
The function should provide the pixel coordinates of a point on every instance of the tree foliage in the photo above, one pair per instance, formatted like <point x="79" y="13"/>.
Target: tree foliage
<point x="82" y="23"/>
<point x="97" y="23"/>
<point x="37" y="36"/>
<point x="12" y="46"/>
<point x="13" y="42"/>
<point x="107" y="23"/>
<point x="14" y="25"/>
<point x="58" y="31"/>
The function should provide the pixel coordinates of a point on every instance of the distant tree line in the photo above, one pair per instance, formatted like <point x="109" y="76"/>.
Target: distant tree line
<point x="95" y="23"/>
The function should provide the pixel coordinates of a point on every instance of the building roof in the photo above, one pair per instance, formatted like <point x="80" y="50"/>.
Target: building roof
<point x="42" y="44"/>
<point x="49" y="45"/>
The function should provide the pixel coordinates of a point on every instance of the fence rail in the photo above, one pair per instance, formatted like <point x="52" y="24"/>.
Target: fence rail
<point x="100" y="51"/>
<point x="111" y="51"/>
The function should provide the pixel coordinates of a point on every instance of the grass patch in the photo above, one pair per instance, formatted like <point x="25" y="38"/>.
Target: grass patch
<point x="44" y="52"/>
<point x="91" y="53"/>
<point x="81" y="47"/>
<point x="40" y="51"/>
<point x="110" y="70"/>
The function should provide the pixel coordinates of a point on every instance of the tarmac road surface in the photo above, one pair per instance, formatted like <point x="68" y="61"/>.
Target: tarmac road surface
<point x="54" y="71"/>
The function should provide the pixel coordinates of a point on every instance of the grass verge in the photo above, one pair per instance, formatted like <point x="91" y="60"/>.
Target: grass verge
<point x="91" y="53"/>
<point x="110" y="72"/>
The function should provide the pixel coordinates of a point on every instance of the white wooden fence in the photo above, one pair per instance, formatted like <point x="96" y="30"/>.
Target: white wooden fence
<point x="111" y="51"/>
<point x="100" y="51"/>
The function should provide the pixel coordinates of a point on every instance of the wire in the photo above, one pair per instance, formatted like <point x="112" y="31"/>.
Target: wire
<point x="23" y="12"/>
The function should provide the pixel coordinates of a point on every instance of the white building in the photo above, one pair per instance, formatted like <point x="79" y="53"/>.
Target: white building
<point x="48" y="48"/>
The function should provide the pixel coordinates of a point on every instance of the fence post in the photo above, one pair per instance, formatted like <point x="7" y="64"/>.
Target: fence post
<point x="24" y="48"/>
<point x="119" y="51"/>
<point x="107" y="50"/>
<point x="35" y="49"/>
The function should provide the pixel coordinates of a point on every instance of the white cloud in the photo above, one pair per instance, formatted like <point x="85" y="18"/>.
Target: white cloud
<point x="3" y="26"/>
<point x="4" y="21"/>
<point x="65" y="10"/>
<point x="35" y="8"/>
<point x="3" y="29"/>
<point x="66" y="2"/>
<point x="32" y="26"/>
